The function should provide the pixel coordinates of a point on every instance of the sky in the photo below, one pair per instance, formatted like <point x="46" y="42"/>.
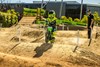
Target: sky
<point x="30" y="1"/>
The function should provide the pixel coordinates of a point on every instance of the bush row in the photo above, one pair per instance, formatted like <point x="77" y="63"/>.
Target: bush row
<point x="33" y="12"/>
<point x="8" y="18"/>
<point x="59" y="22"/>
<point x="69" y="21"/>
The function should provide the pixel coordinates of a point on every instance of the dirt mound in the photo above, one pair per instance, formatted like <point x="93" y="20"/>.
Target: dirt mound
<point x="33" y="52"/>
<point x="16" y="39"/>
<point x="7" y="60"/>
<point x="68" y="34"/>
<point x="87" y="58"/>
<point x="31" y="34"/>
<point x="26" y="34"/>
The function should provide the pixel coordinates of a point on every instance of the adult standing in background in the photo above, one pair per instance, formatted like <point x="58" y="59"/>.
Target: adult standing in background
<point x="90" y="23"/>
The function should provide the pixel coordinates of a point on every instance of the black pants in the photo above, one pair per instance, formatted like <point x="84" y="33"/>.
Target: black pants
<point x="90" y="31"/>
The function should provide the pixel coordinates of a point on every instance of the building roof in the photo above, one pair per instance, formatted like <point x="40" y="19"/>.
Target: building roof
<point x="72" y="2"/>
<point x="67" y="2"/>
<point x="93" y="5"/>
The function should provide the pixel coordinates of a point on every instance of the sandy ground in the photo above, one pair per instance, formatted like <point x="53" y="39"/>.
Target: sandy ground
<point x="32" y="51"/>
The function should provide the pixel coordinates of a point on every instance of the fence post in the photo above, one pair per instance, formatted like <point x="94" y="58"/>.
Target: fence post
<point x="0" y="25"/>
<point x="63" y="27"/>
<point x="96" y="31"/>
<point x="78" y="38"/>
<point x="67" y="27"/>
<point x="39" y="26"/>
<point x="77" y="41"/>
<point x="19" y="34"/>
<point x="96" y="27"/>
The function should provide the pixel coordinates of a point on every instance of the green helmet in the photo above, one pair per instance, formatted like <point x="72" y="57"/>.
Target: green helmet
<point x="51" y="14"/>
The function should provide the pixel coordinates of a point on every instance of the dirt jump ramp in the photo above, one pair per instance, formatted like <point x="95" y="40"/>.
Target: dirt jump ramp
<point x="27" y="20"/>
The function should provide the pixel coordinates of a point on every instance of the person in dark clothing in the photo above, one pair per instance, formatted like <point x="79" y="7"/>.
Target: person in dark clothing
<point x="90" y="23"/>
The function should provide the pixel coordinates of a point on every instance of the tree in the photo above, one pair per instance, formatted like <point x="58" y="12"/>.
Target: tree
<point x="96" y="16"/>
<point x="84" y="19"/>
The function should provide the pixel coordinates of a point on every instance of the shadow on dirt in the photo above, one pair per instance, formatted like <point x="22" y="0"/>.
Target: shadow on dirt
<point x="43" y="48"/>
<point x="86" y="58"/>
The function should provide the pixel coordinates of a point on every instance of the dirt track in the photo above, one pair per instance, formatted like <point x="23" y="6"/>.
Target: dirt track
<point x="33" y="52"/>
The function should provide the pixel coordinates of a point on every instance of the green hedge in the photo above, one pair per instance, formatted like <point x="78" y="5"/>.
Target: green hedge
<point x="32" y="12"/>
<point x="8" y="18"/>
<point x="75" y="23"/>
<point x="40" y="22"/>
<point x="59" y="21"/>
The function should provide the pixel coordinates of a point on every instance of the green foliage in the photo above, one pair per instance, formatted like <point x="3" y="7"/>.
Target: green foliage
<point x="70" y="19"/>
<point x="84" y="19"/>
<point x="40" y="22"/>
<point x="80" y="23"/>
<point x="77" y="20"/>
<point x="63" y="17"/>
<point x="33" y="12"/>
<point x="30" y="10"/>
<point x="12" y="11"/>
<point x="8" y="18"/>
<point x="96" y="16"/>
<point x="59" y="21"/>
<point x="39" y="10"/>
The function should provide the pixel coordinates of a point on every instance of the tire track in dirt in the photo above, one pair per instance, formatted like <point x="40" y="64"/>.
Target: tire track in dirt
<point x="57" y="55"/>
